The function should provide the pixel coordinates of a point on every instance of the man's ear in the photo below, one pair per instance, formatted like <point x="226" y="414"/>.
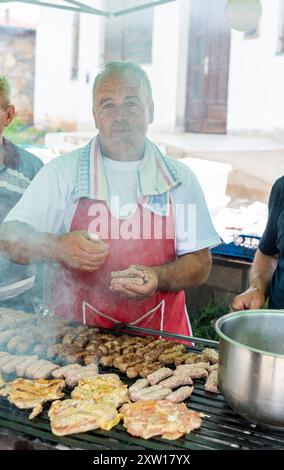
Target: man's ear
<point x="151" y="112"/>
<point x="10" y="113"/>
<point x="95" y="116"/>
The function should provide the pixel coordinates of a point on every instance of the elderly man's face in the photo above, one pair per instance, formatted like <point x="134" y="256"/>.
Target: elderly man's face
<point x="122" y="111"/>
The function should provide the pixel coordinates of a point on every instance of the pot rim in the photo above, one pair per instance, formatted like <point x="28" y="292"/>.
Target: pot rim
<point x="241" y="314"/>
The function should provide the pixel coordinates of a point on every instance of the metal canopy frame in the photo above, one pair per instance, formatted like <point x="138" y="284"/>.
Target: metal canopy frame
<point x="81" y="7"/>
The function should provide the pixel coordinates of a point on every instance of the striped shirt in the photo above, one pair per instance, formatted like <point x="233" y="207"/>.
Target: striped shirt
<point x="17" y="171"/>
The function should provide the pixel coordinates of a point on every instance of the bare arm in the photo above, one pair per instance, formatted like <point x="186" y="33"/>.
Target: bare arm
<point x="24" y="245"/>
<point x="260" y="277"/>
<point x="188" y="270"/>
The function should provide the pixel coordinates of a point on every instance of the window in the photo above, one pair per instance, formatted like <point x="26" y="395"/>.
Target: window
<point x="129" y="37"/>
<point x="75" y="47"/>
<point x="280" y="45"/>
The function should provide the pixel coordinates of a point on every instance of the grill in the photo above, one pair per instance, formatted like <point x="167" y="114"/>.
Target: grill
<point x="222" y="428"/>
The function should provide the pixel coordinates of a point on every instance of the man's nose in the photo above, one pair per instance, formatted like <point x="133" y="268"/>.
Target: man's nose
<point x="120" y="112"/>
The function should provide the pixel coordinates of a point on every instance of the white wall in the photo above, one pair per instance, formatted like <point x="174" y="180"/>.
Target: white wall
<point x="57" y="98"/>
<point x="163" y="72"/>
<point x="256" y="83"/>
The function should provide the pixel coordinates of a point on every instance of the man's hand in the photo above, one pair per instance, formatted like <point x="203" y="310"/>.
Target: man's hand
<point x="78" y="251"/>
<point x="138" y="287"/>
<point x="251" y="299"/>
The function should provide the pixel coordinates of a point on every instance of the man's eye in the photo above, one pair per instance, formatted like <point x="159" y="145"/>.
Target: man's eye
<point x="107" y="105"/>
<point x="131" y="104"/>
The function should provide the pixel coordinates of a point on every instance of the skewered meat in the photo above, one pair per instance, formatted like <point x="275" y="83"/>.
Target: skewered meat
<point x="211" y="384"/>
<point x="154" y="418"/>
<point x="159" y="375"/>
<point x="75" y="416"/>
<point x="180" y="394"/>
<point x="32" y="393"/>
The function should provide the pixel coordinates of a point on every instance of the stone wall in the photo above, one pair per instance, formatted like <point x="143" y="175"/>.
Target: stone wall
<point x="17" y="62"/>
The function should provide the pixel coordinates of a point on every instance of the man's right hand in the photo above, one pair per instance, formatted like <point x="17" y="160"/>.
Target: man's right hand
<point x="78" y="251"/>
<point x="251" y="299"/>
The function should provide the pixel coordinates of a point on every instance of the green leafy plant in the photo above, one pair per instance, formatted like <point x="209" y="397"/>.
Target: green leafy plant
<point x="202" y="327"/>
<point x="20" y="132"/>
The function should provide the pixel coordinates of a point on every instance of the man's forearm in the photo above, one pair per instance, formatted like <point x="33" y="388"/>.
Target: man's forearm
<point x="261" y="272"/>
<point x="188" y="270"/>
<point x="24" y="245"/>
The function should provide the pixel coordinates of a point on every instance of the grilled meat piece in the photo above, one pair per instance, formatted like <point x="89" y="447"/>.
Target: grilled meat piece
<point x="91" y="359"/>
<point x="212" y="384"/>
<point x="102" y="389"/>
<point x="183" y="378"/>
<point x="180" y="394"/>
<point x="75" y="416"/>
<point x="10" y="367"/>
<point x="61" y="372"/>
<point x="107" y="360"/>
<point x="21" y="368"/>
<point x="156" y="417"/>
<point x="73" y="376"/>
<point x="210" y="355"/>
<point x="45" y="370"/>
<point x="5" y="336"/>
<point x="149" y="368"/>
<point x="155" y="392"/>
<point x="139" y="385"/>
<point x="40" y="349"/>
<point x="159" y="375"/>
<point x="32" y="393"/>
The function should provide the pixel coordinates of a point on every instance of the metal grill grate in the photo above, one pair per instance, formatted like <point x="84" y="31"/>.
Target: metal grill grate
<point x="222" y="428"/>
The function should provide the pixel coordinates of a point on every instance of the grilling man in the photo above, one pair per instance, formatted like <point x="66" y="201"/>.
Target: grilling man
<point x="117" y="203"/>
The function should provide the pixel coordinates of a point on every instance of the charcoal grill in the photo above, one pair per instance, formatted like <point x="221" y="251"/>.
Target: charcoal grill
<point x="222" y="428"/>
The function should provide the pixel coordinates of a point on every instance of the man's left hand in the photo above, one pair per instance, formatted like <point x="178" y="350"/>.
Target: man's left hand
<point x="125" y="287"/>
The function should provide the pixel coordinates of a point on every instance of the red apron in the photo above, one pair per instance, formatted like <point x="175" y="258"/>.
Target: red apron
<point x="135" y="242"/>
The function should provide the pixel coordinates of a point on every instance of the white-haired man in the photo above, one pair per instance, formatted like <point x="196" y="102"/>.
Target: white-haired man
<point x="113" y="216"/>
<point x="17" y="169"/>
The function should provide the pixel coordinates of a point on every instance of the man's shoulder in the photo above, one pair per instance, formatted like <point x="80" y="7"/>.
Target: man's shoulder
<point x="180" y="170"/>
<point x="25" y="160"/>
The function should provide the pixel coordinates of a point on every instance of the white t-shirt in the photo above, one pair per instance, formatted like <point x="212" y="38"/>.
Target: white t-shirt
<point x="48" y="203"/>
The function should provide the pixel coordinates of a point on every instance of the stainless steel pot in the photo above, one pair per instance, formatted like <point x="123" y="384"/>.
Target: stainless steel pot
<point x="251" y="371"/>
